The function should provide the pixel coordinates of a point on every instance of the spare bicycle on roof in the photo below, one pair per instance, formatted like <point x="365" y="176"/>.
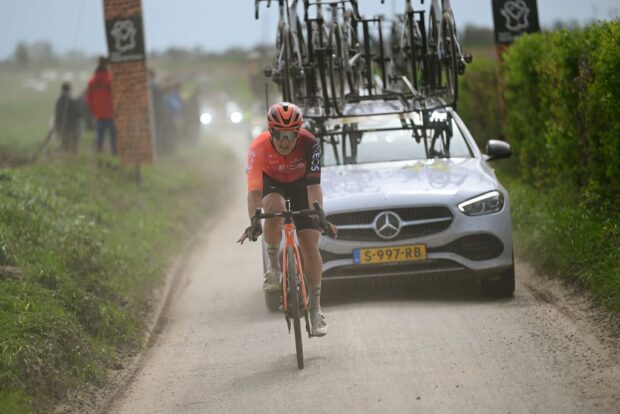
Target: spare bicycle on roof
<point x="334" y="62"/>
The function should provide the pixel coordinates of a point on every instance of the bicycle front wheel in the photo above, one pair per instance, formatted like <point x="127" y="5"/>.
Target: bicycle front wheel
<point x="295" y="302"/>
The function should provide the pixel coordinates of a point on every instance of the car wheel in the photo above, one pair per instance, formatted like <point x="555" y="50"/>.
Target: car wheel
<point x="503" y="287"/>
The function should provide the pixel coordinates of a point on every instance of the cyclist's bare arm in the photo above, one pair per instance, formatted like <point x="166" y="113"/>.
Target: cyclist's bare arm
<point x="254" y="202"/>
<point x="315" y="193"/>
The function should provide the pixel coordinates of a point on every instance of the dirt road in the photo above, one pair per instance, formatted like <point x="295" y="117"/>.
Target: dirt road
<point x="418" y="349"/>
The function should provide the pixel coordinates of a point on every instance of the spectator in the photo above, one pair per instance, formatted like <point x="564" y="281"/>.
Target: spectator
<point x="191" y="117"/>
<point x="157" y="96"/>
<point x="67" y="119"/>
<point x="172" y="119"/>
<point x="99" y="97"/>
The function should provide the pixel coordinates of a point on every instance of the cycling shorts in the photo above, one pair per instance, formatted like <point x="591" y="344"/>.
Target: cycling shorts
<point x="297" y="191"/>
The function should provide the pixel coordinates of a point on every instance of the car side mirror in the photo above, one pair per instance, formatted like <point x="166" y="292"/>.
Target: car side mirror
<point x="497" y="149"/>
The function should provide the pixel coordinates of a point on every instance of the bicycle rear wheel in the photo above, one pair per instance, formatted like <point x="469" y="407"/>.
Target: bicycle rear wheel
<point x="336" y="73"/>
<point x="434" y="67"/>
<point x="353" y="54"/>
<point x="412" y="54"/>
<point x="449" y="59"/>
<point x="287" y="80"/>
<point x="295" y="303"/>
<point x="297" y="54"/>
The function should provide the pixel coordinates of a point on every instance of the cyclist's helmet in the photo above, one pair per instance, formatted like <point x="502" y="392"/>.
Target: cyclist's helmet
<point x="284" y="116"/>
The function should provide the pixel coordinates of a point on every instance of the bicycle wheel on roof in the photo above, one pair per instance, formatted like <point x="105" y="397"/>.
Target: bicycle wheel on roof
<point x="450" y="81"/>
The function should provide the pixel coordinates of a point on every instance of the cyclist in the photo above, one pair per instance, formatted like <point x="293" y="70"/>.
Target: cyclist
<point x="285" y="161"/>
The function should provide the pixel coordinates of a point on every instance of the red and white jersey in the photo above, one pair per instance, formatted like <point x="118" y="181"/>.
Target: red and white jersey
<point x="303" y="162"/>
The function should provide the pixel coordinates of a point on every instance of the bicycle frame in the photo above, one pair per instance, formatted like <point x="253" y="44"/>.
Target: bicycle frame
<point x="289" y="241"/>
<point x="296" y="310"/>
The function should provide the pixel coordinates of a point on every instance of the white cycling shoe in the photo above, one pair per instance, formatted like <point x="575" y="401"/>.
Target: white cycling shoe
<point x="319" y="324"/>
<point x="271" y="281"/>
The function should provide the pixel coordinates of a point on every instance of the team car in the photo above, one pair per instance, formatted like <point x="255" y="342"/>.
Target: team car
<point x="412" y="195"/>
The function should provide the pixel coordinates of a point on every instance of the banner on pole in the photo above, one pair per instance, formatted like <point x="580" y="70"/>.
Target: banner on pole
<point x="125" y="37"/>
<point x="513" y="18"/>
<point x="130" y="81"/>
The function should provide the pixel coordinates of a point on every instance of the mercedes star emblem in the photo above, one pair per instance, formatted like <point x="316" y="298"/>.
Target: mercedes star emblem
<point x="387" y="225"/>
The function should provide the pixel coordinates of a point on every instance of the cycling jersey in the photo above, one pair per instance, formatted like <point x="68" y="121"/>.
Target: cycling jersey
<point x="304" y="162"/>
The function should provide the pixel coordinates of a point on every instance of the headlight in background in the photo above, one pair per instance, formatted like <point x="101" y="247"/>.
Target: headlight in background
<point x="256" y="131"/>
<point x="486" y="203"/>
<point x="206" y="118"/>
<point x="236" y="117"/>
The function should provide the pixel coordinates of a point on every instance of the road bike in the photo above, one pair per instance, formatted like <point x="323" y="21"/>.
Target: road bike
<point x="345" y="53"/>
<point x="411" y="49"/>
<point x="291" y="52"/>
<point x="446" y="59"/>
<point x="294" y="286"/>
<point x="325" y="44"/>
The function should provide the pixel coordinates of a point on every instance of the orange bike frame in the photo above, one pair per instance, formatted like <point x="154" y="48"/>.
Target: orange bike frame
<point x="289" y="237"/>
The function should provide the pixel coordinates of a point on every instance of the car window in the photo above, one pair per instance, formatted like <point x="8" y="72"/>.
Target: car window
<point x="370" y="142"/>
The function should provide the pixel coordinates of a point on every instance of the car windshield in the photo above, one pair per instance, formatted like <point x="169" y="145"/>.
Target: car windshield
<point x="381" y="140"/>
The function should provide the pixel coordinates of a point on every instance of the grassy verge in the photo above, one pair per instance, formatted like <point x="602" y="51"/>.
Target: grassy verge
<point x="564" y="237"/>
<point x="81" y="250"/>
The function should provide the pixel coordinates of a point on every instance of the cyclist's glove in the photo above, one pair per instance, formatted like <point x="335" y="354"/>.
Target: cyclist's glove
<point x="330" y="229"/>
<point x="254" y="234"/>
<point x="327" y="228"/>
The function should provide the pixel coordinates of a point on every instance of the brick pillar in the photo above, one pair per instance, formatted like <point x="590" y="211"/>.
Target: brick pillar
<point x="130" y="80"/>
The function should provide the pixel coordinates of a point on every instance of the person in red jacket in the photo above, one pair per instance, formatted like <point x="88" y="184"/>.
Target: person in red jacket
<point x="99" y="98"/>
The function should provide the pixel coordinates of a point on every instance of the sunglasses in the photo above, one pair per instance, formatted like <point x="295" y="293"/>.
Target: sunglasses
<point x="284" y="135"/>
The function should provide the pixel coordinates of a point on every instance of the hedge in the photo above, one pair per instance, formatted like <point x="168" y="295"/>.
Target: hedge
<point x="563" y="110"/>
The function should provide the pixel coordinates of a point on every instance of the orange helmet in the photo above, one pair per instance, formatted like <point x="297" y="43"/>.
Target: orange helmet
<point x="284" y="116"/>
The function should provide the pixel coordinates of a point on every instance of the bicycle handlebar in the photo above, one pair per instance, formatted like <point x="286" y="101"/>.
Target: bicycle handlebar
<point x="317" y="211"/>
<point x="256" y="7"/>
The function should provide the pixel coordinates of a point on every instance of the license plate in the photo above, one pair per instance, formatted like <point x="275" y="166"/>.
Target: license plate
<point x="394" y="254"/>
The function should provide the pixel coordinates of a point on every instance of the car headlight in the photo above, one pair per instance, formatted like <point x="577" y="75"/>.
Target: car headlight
<point x="206" y="118"/>
<point x="486" y="203"/>
<point x="236" y="117"/>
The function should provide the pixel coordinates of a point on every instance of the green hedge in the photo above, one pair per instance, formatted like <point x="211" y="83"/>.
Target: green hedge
<point x="479" y="101"/>
<point x="563" y="110"/>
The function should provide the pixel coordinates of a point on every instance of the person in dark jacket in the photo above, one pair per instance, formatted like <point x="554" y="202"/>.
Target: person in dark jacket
<point x="67" y="119"/>
<point x="99" y="98"/>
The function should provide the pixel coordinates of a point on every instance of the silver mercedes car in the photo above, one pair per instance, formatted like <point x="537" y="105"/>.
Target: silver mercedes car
<point x="412" y="195"/>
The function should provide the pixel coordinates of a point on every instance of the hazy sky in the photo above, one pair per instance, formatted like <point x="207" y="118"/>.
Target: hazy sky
<point x="216" y="25"/>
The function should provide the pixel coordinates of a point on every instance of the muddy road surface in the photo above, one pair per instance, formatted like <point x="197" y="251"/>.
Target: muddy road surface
<point x="402" y="349"/>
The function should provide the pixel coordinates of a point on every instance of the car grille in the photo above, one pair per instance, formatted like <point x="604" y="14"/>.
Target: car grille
<point x="473" y="247"/>
<point x="416" y="222"/>
<point x="476" y="247"/>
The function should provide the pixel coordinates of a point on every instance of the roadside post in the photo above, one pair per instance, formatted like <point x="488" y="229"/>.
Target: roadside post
<point x="512" y="19"/>
<point x="131" y="94"/>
